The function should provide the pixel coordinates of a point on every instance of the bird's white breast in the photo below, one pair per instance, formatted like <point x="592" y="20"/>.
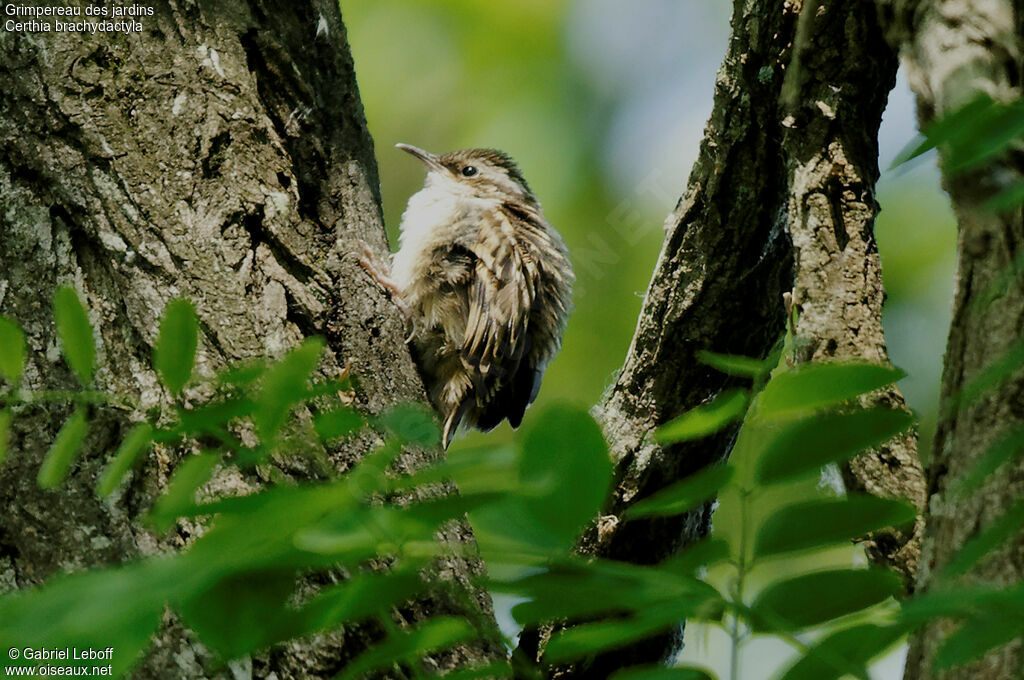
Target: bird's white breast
<point x="429" y="211"/>
<point x="431" y="220"/>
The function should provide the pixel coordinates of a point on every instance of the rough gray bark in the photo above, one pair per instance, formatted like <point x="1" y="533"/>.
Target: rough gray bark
<point x="835" y="101"/>
<point x="954" y="50"/>
<point x="778" y="200"/>
<point x="222" y="155"/>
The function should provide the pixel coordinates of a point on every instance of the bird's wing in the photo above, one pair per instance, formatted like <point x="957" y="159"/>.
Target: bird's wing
<point x="500" y="298"/>
<point x="517" y="287"/>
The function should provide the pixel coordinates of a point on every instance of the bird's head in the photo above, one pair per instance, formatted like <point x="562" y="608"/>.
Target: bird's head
<point x="482" y="173"/>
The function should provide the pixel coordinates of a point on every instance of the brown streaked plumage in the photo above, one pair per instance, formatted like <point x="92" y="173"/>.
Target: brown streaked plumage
<point x="486" y="283"/>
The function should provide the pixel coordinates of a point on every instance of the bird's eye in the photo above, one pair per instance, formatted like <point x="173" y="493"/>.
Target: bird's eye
<point x="468" y="171"/>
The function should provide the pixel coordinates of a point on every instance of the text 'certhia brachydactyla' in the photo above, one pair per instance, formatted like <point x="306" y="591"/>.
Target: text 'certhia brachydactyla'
<point x="485" y="282"/>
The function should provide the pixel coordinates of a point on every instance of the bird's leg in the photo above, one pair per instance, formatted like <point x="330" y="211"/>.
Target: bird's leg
<point x="380" y="271"/>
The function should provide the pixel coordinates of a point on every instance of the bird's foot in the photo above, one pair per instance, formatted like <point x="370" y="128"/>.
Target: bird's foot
<point x="376" y="267"/>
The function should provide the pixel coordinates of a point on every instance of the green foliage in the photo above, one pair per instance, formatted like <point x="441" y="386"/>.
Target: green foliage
<point x="662" y="673"/>
<point x="75" y="333"/>
<point x="829" y="521"/>
<point x="976" y="133"/>
<point x="410" y="423"/>
<point x="987" y="541"/>
<point x="730" y="364"/>
<point x="192" y="473"/>
<point x="685" y="495"/>
<point x="133" y="446"/>
<point x="337" y="423"/>
<point x="725" y="408"/>
<point x="12" y="350"/>
<point x="65" y="447"/>
<point x="819" y="597"/>
<point x="410" y="645"/>
<point x="802" y="446"/>
<point x="1005" y="449"/>
<point x="848" y="648"/>
<point x="240" y="584"/>
<point x="175" y="351"/>
<point x="283" y="386"/>
<point x="808" y="387"/>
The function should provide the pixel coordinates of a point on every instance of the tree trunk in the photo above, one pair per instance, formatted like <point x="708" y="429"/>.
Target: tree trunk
<point x="781" y="199"/>
<point x="220" y="154"/>
<point x="835" y="103"/>
<point x="953" y="51"/>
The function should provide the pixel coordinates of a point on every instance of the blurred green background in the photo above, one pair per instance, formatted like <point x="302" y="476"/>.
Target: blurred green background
<point x="603" y="103"/>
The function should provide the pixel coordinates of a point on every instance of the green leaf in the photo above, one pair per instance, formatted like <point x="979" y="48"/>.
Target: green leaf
<point x="995" y="535"/>
<point x="75" y="333"/>
<point x="242" y="374"/>
<point x="591" y="638"/>
<point x="12" y="350"/>
<point x="1007" y="199"/>
<point x="701" y="421"/>
<point x="491" y="671"/>
<point x="385" y="530"/>
<point x="806" y="445"/>
<point x="822" y="523"/>
<point x="731" y="364"/>
<point x="991" y="376"/>
<point x="411" y="423"/>
<point x="949" y="128"/>
<point x="579" y="589"/>
<point x="5" y="433"/>
<point x="475" y="470"/>
<point x="134" y="445"/>
<point x="213" y="417"/>
<point x="119" y="607"/>
<point x="191" y="474"/>
<point x="407" y="645"/>
<point x="337" y="423"/>
<point x="175" y="351"/>
<point x="845" y="652"/>
<point x="985" y="137"/>
<point x="961" y="601"/>
<point x="361" y="596"/>
<point x="975" y="638"/>
<point x="704" y="553"/>
<point x="284" y="385"/>
<point x="1008" y="447"/>
<point x="819" y="597"/>
<point x="62" y="453"/>
<point x="682" y="496"/>
<point x="816" y="385"/>
<point x="262" y="530"/>
<point x="662" y="673"/>
<point x="565" y="472"/>
<point x="243" y="612"/>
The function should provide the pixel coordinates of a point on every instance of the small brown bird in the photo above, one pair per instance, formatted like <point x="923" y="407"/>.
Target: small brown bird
<point x="486" y="283"/>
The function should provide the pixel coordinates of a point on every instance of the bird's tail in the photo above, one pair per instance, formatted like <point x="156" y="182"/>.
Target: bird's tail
<point x="451" y="422"/>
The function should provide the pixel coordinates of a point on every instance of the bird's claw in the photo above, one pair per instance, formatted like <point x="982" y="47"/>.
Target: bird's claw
<point x="378" y="269"/>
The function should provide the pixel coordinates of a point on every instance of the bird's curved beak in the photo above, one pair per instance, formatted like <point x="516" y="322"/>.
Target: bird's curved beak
<point x="432" y="161"/>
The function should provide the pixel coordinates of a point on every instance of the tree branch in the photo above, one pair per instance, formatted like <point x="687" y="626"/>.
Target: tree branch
<point x="954" y="51"/>
<point x="766" y="174"/>
<point x="846" y="71"/>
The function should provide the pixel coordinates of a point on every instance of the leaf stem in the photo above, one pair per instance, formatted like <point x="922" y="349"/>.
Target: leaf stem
<point x="735" y="633"/>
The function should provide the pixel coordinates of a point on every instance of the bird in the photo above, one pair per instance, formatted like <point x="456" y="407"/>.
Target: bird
<point x="485" y="283"/>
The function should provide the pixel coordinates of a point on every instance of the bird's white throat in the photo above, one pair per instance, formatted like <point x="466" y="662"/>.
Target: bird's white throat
<point x="429" y="221"/>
